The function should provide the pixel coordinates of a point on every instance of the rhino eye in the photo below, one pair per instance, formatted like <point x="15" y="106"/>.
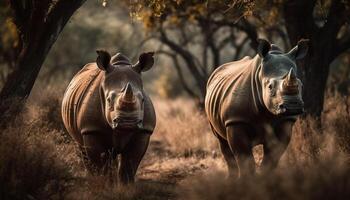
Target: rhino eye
<point x="271" y="88"/>
<point x="109" y="102"/>
<point x="111" y="97"/>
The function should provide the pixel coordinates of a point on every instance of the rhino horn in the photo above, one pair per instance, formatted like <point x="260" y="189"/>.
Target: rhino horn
<point x="128" y="95"/>
<point x="290" y="83"/>
<point x="291" y="77"/>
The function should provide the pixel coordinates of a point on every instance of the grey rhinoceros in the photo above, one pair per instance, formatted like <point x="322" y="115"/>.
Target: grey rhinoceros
<point x="255" y="101"/>
<point x="107" y="112"/>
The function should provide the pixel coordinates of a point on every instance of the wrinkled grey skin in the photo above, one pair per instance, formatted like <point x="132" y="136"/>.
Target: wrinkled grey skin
<point x="107" y="112"/>
<point x="255" y="101"/>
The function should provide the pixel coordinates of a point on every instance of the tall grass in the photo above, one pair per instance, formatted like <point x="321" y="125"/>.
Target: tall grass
<point x="30" y="165"/>
<point x="183" y="127"/>
<point x="39" y="160"/>
<point x="336" y="121"/>
<point x="315" y="165"/>
<point x="324" y="180"/>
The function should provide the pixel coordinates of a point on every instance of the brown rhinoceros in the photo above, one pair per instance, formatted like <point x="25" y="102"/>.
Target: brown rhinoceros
<point x="107" y="112"/>
<point x="255" y="101"/>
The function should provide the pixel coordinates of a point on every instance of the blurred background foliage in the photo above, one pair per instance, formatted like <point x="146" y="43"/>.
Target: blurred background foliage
<point x="9" y="42"/>
<point x="200" y="35"/>
<point x="92" y="27"/>
<point x="96" y="27"/>
<point x="192" y="38"/>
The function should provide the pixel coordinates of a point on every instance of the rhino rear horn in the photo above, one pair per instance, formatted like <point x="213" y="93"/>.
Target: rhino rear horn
<point x="145" y="62"/>
<point x="300" y="50"/>
<point x="263" y="47"/>
<point x="103" y="60"/>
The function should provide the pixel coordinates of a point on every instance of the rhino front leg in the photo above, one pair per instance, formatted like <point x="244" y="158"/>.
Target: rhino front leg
<point x="228" y="155"/>
<point x="229" y="158"/>
<point x="240" y="143"/>
<point x="276" y="146"/>
<point x="132" y="156"/>
<point x="96" y="149"/>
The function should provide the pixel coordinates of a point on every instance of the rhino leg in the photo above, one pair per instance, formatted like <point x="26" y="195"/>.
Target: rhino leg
<point x="97" y="150"/>
<point x="275" y="147"/>
<point x="240" y="143"/>
<point x="228" y="155"/>
<point x="229" y="158"/>
<point x="132" y="156"/>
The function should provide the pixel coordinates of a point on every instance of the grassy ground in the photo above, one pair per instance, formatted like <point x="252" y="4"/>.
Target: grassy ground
<point x="38" y="160"/>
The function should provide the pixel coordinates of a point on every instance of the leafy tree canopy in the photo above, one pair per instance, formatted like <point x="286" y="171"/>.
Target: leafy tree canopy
<point x="155" y="12"/>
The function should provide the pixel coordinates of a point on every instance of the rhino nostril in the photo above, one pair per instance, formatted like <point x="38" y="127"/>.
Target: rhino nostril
<point x="115" y="120"/>
<point x="282" y="108"/>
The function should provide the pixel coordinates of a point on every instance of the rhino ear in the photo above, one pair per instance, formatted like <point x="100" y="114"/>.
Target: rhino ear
<point x="145" y="62"/>
<point x="263" y="47"/>
<point x="300" y="50"/>
<point x="103" y="60"/>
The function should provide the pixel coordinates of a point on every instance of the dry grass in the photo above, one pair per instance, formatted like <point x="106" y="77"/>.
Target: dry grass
<point x="182" y="162"/>
<point x="183" y="128"/>
<point x="31" y="165"/>
<point x="336" y="121"/>
<point x="321" y="181"/>
<point x="315" y="166"/>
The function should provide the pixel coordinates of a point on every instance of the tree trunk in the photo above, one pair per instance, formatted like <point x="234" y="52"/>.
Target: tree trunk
<point x="325" y="45"/>
<point x="36" y="45"/>
<point x="20" y="82"/>
<point x="313" y="69"/>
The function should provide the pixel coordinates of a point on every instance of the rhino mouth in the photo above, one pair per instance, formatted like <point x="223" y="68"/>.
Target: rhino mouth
<point x="127" y="123"/>
<point x="290" y="111"/>
<point x="290" y="105"/>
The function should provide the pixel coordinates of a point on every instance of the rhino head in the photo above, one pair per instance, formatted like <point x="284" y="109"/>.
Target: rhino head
<point x="281" y="88"/>
<point x="121" y="89"/>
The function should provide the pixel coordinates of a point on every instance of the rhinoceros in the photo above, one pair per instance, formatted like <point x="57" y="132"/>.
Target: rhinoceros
<point x="107" y="112"/>
<point x="255" y="101"/>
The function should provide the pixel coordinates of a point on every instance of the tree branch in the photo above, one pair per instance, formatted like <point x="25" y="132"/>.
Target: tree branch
<point x="179" y="72"/>
<point x="56" y="20"/>
<point x="21" y="10"/>
<point x="239" y="48"/>
<point x="242" y="25"/>
<point x="209" y="41"/>
<point x="280" y="33"/>
<point x="224" y="42"/>
<point x="335" y="19"/>
<point x="188" y="58"/>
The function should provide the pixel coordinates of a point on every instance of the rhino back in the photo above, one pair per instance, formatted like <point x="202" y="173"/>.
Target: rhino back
<point x="229" y="97"/>
<point x="82" y="89"/>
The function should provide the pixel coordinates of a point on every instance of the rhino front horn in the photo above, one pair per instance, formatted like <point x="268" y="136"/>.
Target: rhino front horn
<point x="290" y="83"/>
<point x="291" y="77"/>
<point x="128" y="95"/>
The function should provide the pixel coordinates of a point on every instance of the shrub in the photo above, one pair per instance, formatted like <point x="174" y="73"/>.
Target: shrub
<point x="183" y="127"/>
<point x="336" y="121"/>
<point x="325" y="180"/>
<point x="30" y="167"/>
